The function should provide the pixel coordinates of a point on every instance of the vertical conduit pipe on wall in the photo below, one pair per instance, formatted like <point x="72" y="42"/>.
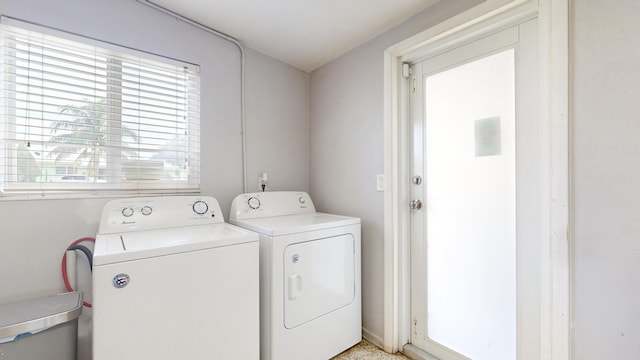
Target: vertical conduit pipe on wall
<point x="224" y="36"/>
<point x="71" y="268"/>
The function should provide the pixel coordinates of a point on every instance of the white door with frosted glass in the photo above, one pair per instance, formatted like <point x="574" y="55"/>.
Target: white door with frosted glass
<point x="475" y="219"/>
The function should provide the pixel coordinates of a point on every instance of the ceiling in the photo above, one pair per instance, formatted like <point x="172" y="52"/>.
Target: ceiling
<point x="304" y="33"/>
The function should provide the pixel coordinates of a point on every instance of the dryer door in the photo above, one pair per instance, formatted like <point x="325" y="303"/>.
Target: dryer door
<point x="319" y="277"/>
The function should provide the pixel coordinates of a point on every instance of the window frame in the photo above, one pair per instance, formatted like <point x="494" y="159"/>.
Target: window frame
<point x="115" y="185"/>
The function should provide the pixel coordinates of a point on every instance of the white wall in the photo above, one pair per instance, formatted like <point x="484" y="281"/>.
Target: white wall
<point x="347" y="147"/>
<point x="277" y="124"/>
<point x="606" y="176"/>
<point x="34" y="234"/>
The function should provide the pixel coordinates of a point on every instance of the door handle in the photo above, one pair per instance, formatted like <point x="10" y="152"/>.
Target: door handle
<point x="416" y="204"/>
<point x="295" y="286"/>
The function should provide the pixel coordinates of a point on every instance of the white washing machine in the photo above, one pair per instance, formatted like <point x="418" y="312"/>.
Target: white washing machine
<point x="172" y="280"/>
<point x="310" y="299"/>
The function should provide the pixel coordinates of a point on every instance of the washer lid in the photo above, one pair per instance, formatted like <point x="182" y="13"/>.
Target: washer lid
<point x="113" y="248"/>
<point x="293" y="224"/>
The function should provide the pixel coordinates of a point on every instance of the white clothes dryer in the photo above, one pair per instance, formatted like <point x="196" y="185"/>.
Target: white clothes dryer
<point x="172" y="280"/>
<point x="310" y="298"/>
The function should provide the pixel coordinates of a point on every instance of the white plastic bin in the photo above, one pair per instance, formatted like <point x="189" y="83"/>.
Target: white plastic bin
<point x="44" y="328"/>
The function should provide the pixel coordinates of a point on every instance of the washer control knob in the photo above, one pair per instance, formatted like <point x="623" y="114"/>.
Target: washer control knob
<point x="301" y="200"/>
<point x="200" y="207"/>
<point x="127" y="212"/>
<point x="254" y="203"/>
<point x="147" y="210"/>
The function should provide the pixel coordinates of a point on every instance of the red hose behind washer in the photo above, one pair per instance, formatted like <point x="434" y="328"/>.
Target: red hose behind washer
<point x="64" y="266"/>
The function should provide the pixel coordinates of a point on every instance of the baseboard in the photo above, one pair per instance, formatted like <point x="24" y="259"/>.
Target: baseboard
<point x="414" y="353"/>
<point x="410" y="351"/>
<point x="372" y="338"/>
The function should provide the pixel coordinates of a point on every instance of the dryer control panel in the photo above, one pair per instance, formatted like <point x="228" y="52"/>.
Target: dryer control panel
<point x="271" y="203"/>
<point x="149" y="213"/>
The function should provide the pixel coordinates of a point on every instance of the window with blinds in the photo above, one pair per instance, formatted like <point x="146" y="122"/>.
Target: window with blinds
<point x="82" y="117"/>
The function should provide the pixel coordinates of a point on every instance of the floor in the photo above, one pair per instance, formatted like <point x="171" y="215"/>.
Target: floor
<point x="365" y="351"/>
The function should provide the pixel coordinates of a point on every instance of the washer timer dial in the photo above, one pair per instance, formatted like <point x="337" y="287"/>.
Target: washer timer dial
<point x="200" y="207"/>
<point x="127" y="212"/>
<point x="254" y="203"/>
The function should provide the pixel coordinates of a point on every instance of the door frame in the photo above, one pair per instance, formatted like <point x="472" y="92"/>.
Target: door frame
<point x="553" y="67"/>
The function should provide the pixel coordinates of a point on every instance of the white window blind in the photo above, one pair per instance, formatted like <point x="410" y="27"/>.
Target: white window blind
<point x="83" y="117"/>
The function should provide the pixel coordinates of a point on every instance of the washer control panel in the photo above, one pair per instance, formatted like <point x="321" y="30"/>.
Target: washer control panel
<point x="148" y="213"/>
<point x="271" y="203"/>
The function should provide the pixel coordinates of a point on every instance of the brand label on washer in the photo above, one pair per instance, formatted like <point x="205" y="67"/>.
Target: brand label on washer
<point x="121" y="280"/>
<point x="295" y="258"/>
